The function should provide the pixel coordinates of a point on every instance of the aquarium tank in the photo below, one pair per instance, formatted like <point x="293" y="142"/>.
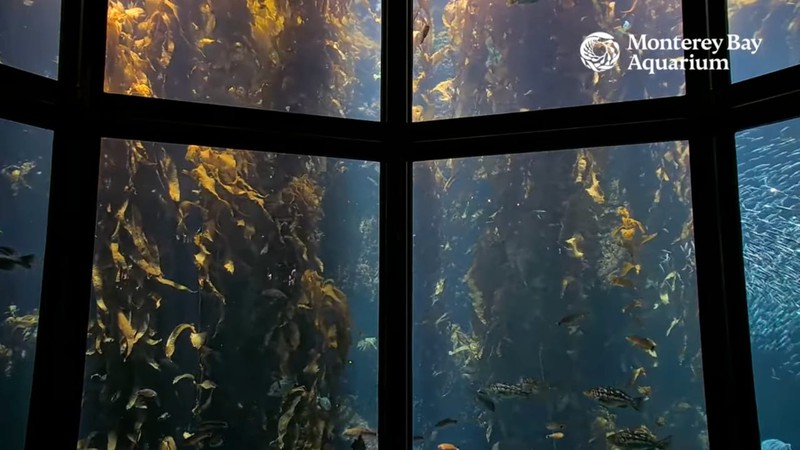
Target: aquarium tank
<point x="556" y="295"/>
<point x="483" y="57"/>
<point x="769" y="195"/>
<point x="234" y="300"/>
<point x="29" y="35"/>
<point x="776" y="24"/>
<point x="25" y="155"/>
<point x="319" y="57"/>
<point x="231" y="286"/>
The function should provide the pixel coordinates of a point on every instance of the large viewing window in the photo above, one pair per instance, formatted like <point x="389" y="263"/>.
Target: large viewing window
<point x="417" y="224"/>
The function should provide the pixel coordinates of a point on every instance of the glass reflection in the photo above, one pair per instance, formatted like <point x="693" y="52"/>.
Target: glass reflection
<point x="555" y="300"/>
<point x="316" y="57"/>
<point x="769" y="195"/>
<point x="25" y="155"/>
<point x="29" y="35"/>
<point x="481" y="57"/>
<point x="776" y="23"/>
<point x="234" y="302"/>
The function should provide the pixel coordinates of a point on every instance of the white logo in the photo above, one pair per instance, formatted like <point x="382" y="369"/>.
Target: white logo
<point x="599" y="51"/>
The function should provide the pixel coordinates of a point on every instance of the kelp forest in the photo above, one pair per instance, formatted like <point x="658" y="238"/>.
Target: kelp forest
<point x="319" y="57"/>
<point x="480" y="57"/>
<point x="214" y="321"/>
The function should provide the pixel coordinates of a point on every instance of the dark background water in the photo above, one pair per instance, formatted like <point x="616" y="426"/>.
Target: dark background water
<point x="350" y="247"/>
<point x="23" y="223"/>
<point x="29" y="35"/>
<point x="536" y="347"/>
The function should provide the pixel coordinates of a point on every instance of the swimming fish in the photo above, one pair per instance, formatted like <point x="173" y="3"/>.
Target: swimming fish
<point x="610" y="396"/>
<point x="638" y="439"/>
<point x="9" y="259"/>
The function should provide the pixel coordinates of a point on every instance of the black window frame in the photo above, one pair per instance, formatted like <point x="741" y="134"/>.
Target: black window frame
<point x="80" y="114"/>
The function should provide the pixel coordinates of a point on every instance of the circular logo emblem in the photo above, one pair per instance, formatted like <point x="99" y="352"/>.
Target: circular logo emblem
<point x="599" y="51"/>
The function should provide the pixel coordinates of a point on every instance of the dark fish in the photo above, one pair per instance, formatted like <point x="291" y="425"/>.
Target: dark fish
<point x="485" y="401"/>
<point x="9" y="258"/>
<point x="445" y="422"/>
<point x="638" y="439"/>
<point x="419" y="438"/>
<point x="535" y="386"/>
<point x="359" y="444"/>
<point x="274" y="294"/>
<point x="571" y="319"/>
<point x="610" y="396"/>
<point x="147" y="393"/>
<point x="425" y="30"/>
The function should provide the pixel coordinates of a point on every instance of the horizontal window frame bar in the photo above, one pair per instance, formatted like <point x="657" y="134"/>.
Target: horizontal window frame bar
<point x="545" y="141"/>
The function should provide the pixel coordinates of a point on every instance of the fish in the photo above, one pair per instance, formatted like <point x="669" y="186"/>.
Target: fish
<point x="632" y="305"/>
<point x="484" y="400"/>
<point x="571" y="319"/>
<point x="555" y="426"/>
<point x="274" y="294"/>
<point x="281" y="387"/>
<point x="525" y="388"/>
<point x="638" y="439"/>
<point x="425" y="30"/>
<point x="611" y="396"/>
<point x="638" y="372"/>
<point x="445" y="422"/>
<point x="646" y="344"/>
<point x="324" y="403"/>
<point x="446" y="446"/>
<point x="359" y="432"/>
<point x="556" y="435"/>
<point x="9" y="259"/>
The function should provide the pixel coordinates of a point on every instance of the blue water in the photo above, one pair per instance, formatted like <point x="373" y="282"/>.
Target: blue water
<point x="769" y="157"/>
<point x="23" y="226"/>
<point x="503" y="222"/>
<point x="778" y="25"/>
<point x="353" y="209"/>
<point x="29" y="35"/>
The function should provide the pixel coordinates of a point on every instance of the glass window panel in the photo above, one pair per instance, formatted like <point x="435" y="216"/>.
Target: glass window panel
<point x="29" y="35"/>
<point x="25" y="155"/>
<point x="235" y="299"/>
<point x="545" y="284"/>
<point x="481" y="57"/>
<point x="775" y="25"/>
<point x="769" y="195"/>
<point x="317" y="57"/>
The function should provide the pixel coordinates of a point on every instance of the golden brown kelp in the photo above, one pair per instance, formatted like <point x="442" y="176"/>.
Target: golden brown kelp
<point x="17" y="340"/>
<point x="276" y="54"/>
<point x="496" y="57"/>
<point x="207" y="296"/>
